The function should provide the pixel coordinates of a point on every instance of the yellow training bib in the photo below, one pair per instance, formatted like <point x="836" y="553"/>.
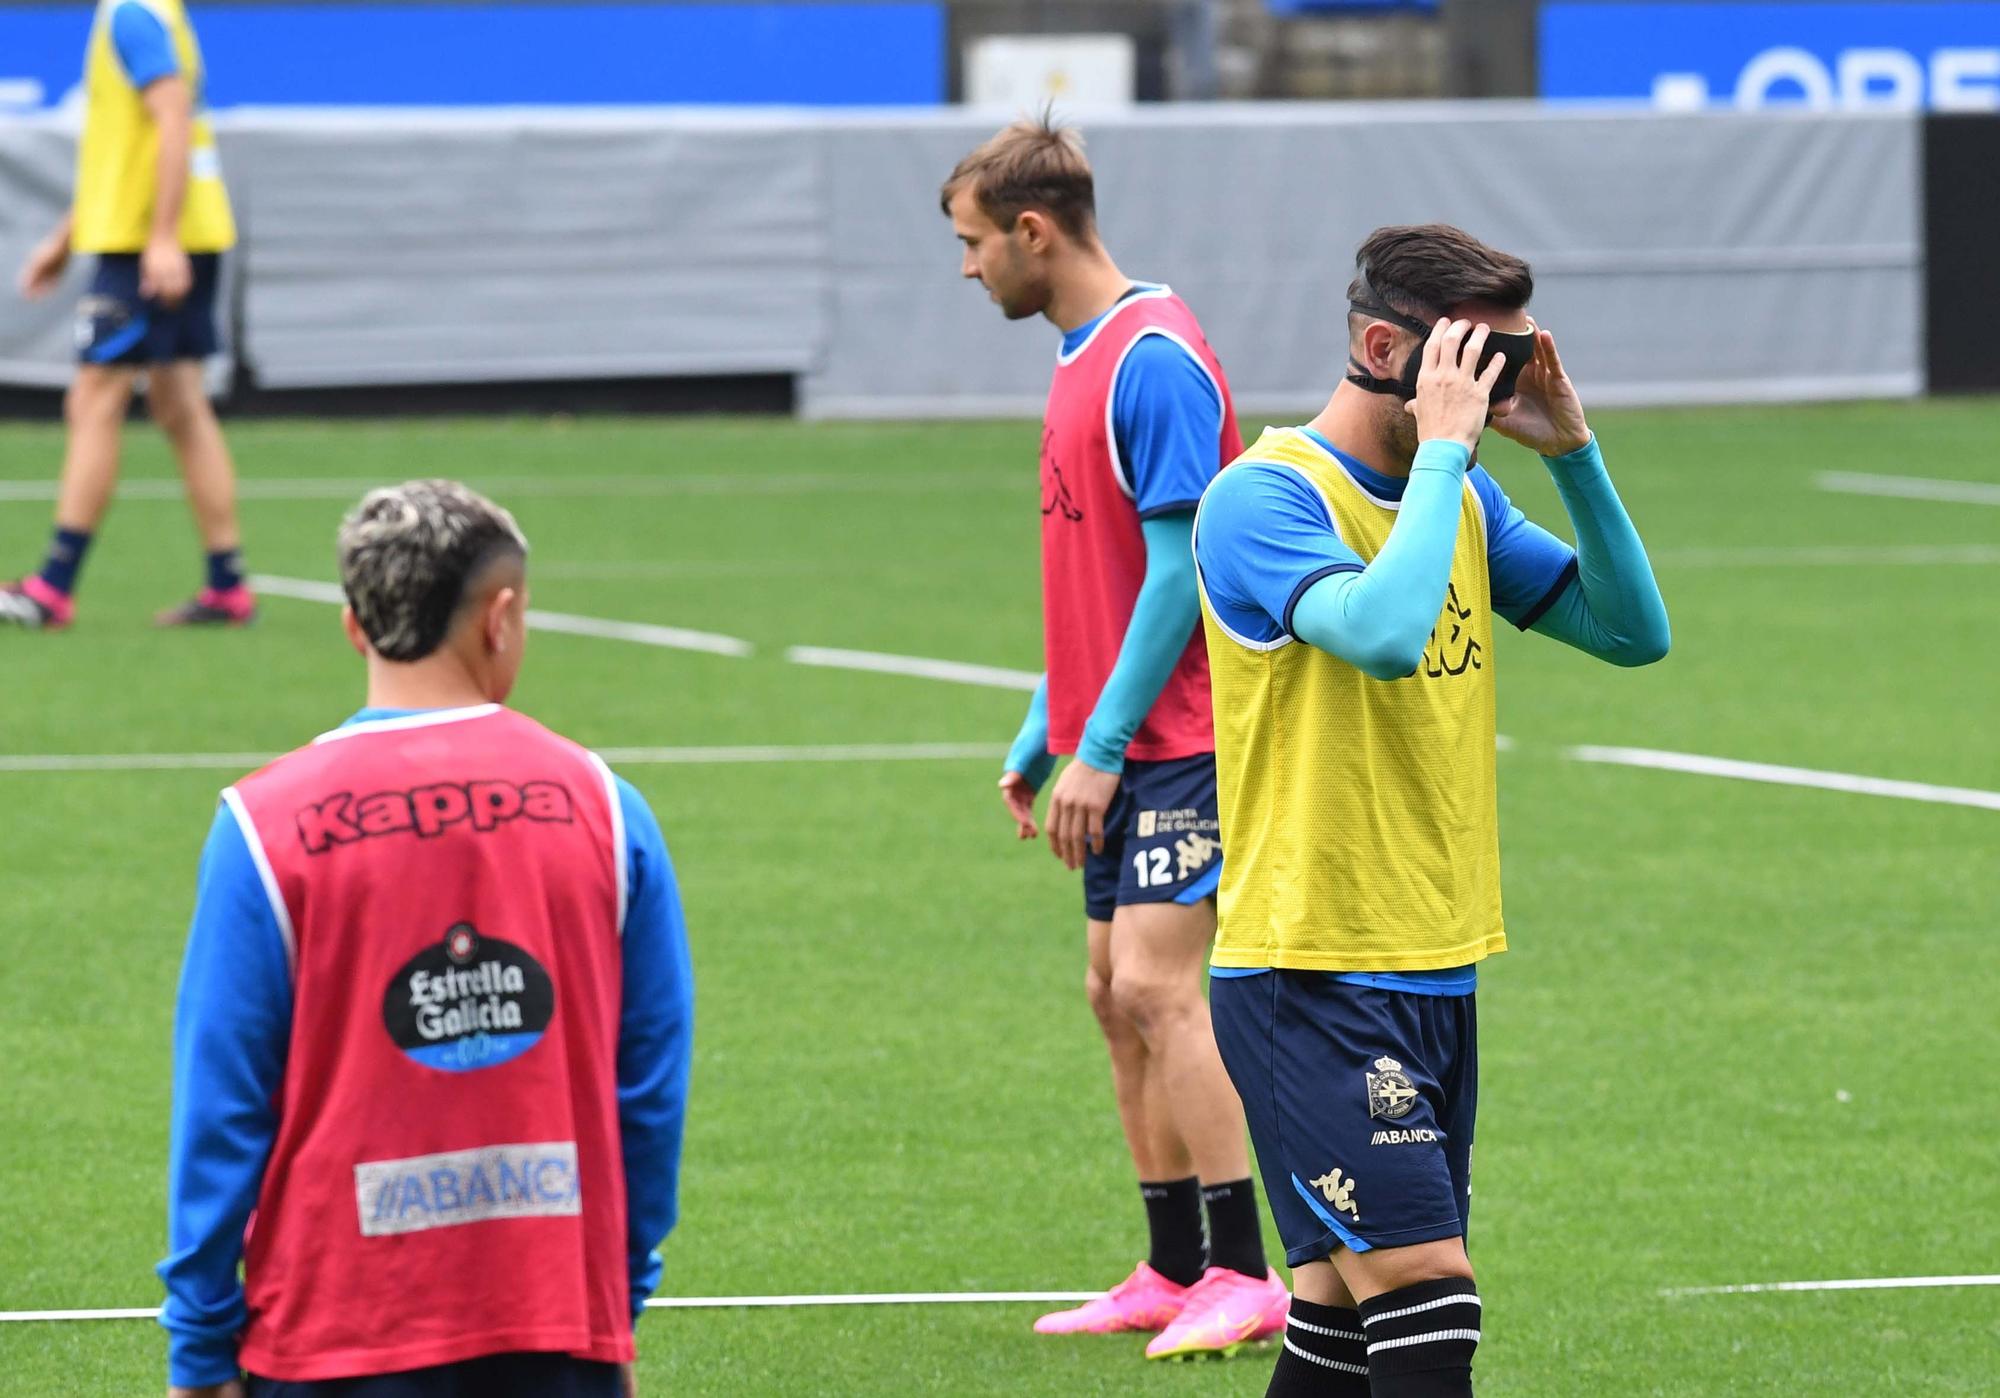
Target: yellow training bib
<point x="1360" y="829"/>
<point x="117" y="159"/>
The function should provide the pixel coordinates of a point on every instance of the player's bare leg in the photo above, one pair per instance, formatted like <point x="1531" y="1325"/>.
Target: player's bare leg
<point x="178" y="400"/>
<point x="94" y="412"/>
<point x="1158" y="951"/>
<point x="1127" y="1051"/>
<point x="1152" y="1296"/>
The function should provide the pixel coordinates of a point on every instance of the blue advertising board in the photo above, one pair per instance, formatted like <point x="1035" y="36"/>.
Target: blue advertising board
<point x="1942" y="54"/>
<point x="498" y="54"/>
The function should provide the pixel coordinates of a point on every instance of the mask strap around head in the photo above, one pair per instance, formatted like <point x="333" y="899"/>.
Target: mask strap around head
<point x="1370" y="303"/>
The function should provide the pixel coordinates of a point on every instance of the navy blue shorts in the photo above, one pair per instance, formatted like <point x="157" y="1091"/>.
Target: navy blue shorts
<point x="1160" y="840"/>
<point x="495" y="1376"/>
<point x="115" y="326"/>
<point x="1361" y="1104"/>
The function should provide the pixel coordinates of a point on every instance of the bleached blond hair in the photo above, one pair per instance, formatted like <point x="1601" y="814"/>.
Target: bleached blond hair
<point x="407" y="554"/>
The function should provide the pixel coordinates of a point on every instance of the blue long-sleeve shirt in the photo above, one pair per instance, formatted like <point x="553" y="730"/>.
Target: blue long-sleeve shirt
<point x="232" y="1026"/>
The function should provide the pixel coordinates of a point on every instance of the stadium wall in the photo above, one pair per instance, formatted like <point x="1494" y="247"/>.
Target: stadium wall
<point x="1723" y="256"/>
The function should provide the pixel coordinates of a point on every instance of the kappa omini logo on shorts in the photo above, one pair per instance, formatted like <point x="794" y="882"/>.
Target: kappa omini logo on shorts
<point x="1391" y="1094"/>
<point x="1339" y="1192"/>
<point x="535" y="1180"/>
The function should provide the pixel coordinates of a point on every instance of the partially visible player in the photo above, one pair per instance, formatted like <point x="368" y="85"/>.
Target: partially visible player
<point x="1138" y="422"/>
<point x="434" y="1022"/>
<point x="1352" y="571"/>
<point x="150" y="204"/>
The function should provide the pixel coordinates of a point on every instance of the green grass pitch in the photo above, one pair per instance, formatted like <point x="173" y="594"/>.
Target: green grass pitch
<point x="1747" y="1032"/>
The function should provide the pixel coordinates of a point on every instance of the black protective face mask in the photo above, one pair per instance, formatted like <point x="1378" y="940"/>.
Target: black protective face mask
<point x="1516" y="347"/>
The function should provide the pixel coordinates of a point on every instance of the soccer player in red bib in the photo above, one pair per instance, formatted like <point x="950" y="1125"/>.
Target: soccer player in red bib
<point x="1138" y="422"/>
<point x="431" y="1049"/>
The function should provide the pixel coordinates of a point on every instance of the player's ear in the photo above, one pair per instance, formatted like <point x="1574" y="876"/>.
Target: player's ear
<point x="356" y="637"/>
<point x="497" y="608"/>
<point x="1036" y="232"/>
<point x="1378" y="344"/>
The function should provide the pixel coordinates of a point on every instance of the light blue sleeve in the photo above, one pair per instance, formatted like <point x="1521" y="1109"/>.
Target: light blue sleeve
<point x="232" y="1029"/>
<point x="1030" y="755"/>
<point x="1612" y="608"/>
<point x="1527" y="566"/>
<point x="655" y="1043"/>
<point x="1163" y="618"/>
<point x="1263" y="538"/>
<point x="1380" y="619"/>
<point x="1166" y="418"/>
<point x="145" y="49"/>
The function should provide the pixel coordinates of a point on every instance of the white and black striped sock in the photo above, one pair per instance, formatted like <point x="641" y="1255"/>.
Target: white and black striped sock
<point x="1325" y="1354"/>
<point x="1421" y="1339"/>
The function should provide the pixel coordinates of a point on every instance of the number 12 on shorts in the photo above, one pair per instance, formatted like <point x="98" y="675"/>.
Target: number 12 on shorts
<point x="1154" y="867"/>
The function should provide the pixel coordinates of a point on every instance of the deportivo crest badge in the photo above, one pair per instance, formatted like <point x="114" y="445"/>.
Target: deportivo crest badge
<point x="1391" y="1094"/>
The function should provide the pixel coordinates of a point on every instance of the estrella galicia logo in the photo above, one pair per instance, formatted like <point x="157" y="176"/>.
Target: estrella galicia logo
<point x="468" y="1002"/>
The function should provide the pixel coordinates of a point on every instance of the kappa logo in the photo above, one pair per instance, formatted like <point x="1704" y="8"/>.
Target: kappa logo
<point x="1339" y="1192"/>
<point x="429" y="811"/>
<point x="1055" y="490"/>
<point x="1437" y="658"/>
<point x="1391" y="1094"/>
<point x="1194" y="852"/>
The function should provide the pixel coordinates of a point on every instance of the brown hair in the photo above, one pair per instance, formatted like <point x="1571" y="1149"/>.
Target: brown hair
<point x="1425" y="269"/>
<point x="1033" y="164"/>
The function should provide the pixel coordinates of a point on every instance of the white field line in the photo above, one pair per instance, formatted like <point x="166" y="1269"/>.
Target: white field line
<point x="1786" y="776"/>
<point x="1857" y="1284"/>
<point x="557" y="487"/>
<point x="943" y="1298"/>
<point x="955" y="671"/>
<point x="1909" y="487"/>
<point x="1835" y="556"/>
<point x="623" y="757"/>
<point x="674" y="1303"/>
<point x="640" y="632"/>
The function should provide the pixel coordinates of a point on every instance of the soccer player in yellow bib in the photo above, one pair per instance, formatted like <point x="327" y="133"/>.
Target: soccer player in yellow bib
<point x="150" y="204"/>
<point x="1351" y="571"/>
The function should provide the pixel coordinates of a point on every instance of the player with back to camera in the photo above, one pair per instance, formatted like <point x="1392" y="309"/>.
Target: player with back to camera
<point x="150" y="204"/>
<point x="434" y="1021"/>
<point x="1351" y="570"/>
<point x="1138" y="422"/>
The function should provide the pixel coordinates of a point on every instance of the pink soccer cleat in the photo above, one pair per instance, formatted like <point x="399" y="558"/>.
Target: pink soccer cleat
<point x="1143" y="1301"/>
<point x="1222" y="1313"/>
<point x="33" y="605"/>
<point x="236" y="606"/>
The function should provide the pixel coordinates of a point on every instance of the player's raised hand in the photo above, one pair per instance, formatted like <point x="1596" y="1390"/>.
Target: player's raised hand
<point x="1077" y="804"/>
<point x="1544" y="415"/>
<point x="1019" y="798"/>
<point x="1452" y="394"/>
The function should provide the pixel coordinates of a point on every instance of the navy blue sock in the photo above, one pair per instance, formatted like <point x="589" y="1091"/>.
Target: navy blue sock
<point x="225" y="569"/>
<point x="65" y="559"/>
